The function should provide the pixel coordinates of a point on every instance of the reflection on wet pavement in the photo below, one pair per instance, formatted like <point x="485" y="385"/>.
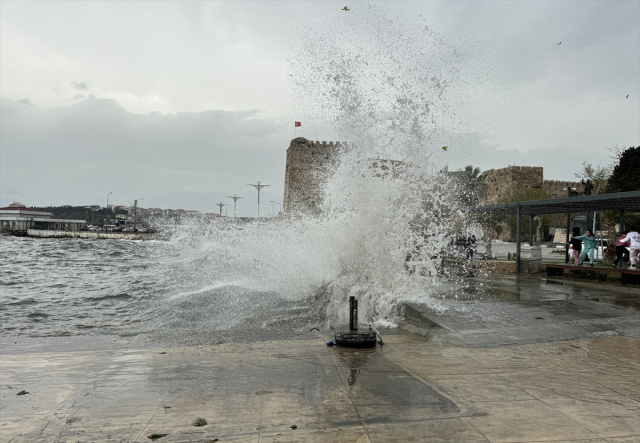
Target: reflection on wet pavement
<point x="554" y="364"/>
<point x="407" y="390"/>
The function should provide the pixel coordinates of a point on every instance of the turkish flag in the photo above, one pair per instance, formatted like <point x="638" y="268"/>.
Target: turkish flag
<point x="298" y="124"/>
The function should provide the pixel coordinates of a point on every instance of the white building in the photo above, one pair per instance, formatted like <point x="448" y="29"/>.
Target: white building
<point x="17" y="217"/>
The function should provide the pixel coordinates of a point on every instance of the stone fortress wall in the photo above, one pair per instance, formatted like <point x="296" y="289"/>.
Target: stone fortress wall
<point x="500" y="182"/>
<point x="308" y="168"/>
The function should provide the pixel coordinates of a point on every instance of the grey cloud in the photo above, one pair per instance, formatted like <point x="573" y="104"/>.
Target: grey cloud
<point x="78" y="97"/>
<point x="24" y="101"/>
<point x="81" y="86"/>
<point x="70" y="155"/>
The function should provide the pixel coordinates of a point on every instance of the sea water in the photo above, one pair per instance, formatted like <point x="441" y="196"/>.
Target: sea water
<point x="373" y="80"/>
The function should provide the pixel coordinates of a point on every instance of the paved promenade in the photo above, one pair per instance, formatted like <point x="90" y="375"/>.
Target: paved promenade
<point x="410" y="390"/>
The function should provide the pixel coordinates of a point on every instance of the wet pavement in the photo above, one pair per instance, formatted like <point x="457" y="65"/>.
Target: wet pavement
<point x="514" y="360"/>
<point x="408" y="390"/>
<point x="517" y="311"/>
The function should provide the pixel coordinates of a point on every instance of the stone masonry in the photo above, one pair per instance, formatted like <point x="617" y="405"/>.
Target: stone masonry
<point x="500" y="182"/>
<point x="309" y="165"/>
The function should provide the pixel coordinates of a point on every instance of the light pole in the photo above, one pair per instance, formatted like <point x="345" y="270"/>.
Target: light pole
<point x="221" y="205"/>
<point x="235" y="198"/>
<point x="108" y="202"/>
<point x="276" y="203"/>
<point x="135" y="213"/>
<point x="258" y="186"/>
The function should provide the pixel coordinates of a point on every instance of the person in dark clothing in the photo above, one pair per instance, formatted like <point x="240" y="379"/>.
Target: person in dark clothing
<point x="577" y="245"/>
<point x="471" y="246"/>
<point x="621" y="249"/>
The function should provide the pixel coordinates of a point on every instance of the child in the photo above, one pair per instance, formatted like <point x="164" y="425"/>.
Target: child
<point x="634" y="238"/>
<point x="621" y="249"/>
<point x="577" y="245"/>
<point x="589" y="246"/>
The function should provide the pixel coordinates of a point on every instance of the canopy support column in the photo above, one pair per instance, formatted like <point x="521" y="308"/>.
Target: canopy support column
<point x="518" y="239"/>
<point x="531" y="230"/>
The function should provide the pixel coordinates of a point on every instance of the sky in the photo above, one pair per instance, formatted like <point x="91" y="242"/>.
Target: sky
<point x="183" y="104"/>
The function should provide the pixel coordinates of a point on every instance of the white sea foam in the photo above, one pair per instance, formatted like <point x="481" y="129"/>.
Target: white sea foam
<point x="379" y="84"/>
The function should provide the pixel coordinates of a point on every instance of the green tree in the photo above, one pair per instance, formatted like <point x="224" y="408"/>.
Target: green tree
<point x="626" y="174"/>
<point x="470" y="185"/>
<point x="599" y="176"/>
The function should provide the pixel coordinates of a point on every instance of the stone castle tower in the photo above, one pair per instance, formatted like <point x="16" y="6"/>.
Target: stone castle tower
<point x="309" y="165"/>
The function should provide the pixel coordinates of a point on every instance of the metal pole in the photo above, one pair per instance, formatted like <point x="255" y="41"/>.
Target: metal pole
<point x="279" y="204"/>
<point x="108" y="202"/>
<point x="258" y="186"/>
<point x="135" y="213"/>
<point x="220" y="205"/>
<point x="566" y="245"/>
<point x="531" y="230"/>
<point x="351" y="308"/>
<point x="518" y="240"/>
<point x="235" y="198"/>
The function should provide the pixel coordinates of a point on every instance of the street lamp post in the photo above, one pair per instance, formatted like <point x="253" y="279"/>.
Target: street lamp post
<point x="135" y="213"/>
<point x="258" y="186"/>
<point x="221" y="205"/>
<point x="276" y="203"/>
<point x="235" y="198"/>
<point x="108" y="202"/>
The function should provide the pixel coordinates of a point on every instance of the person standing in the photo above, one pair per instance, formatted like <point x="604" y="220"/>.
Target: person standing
<point x="634" y="239"/>
<point x="576" y="245"/>
<point x="621" y="249"/>
<point x="471" y="246"/>
<point x="589" y="245"/>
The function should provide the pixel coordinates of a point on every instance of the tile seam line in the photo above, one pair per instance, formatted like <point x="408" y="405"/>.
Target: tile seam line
<point x="557" y="411"/>
<point x="261" y="404"/>
<point x="431" y="386"/>
<point x="606" y="387"/>
<point x="346" y="386"/>
<point x="466" y="419"/>
<point x="146" y="426"/>
<point x="569" y="418"/>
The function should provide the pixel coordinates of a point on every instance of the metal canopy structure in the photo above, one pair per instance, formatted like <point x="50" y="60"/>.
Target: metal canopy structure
<point x="620" y="201"/>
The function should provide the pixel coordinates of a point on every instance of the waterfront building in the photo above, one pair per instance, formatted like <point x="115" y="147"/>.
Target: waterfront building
<point x="18" y="218"/>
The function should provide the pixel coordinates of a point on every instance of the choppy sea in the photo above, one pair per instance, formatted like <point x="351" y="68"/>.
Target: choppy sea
<point x="66" y="287"/>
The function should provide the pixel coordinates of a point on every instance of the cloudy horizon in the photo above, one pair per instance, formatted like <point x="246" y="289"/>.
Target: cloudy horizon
<point x="184" y="104"/>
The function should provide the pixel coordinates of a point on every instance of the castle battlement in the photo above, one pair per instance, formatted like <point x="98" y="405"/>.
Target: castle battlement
<point x="309" y="165"/>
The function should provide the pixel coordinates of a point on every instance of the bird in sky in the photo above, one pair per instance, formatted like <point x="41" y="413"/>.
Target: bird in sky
<point x="345" y="9"/>
<point x="444" y="148"/>
<point x="627" y="95"/>
<point x="560" y="43"/>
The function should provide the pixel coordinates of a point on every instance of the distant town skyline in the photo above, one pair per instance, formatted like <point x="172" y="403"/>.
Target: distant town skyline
<point x="185" y="103"/>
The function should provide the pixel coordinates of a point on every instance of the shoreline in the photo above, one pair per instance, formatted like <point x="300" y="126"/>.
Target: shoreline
<point x="36" y="233"/>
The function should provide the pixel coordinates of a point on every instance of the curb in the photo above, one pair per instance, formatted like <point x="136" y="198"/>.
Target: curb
<point x="589" y="285"/>
<point x="411" y="312"/>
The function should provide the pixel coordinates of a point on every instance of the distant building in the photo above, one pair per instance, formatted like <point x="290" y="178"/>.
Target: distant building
<point x="18" y="218"/>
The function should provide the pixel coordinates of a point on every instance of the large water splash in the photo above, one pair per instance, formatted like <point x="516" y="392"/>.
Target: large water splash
<point x="379" y="83"/>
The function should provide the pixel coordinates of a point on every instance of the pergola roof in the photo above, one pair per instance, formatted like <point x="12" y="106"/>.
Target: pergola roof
<point x="626" y="201"/>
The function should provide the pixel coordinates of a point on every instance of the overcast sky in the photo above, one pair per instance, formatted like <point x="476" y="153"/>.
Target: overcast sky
<point x="185" y="103"/>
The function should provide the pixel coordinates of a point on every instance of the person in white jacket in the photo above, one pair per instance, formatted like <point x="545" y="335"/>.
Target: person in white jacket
<point x="634" y="238"/>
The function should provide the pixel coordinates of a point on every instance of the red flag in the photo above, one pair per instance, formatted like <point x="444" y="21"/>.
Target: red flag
<point x="298" y="124"/>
